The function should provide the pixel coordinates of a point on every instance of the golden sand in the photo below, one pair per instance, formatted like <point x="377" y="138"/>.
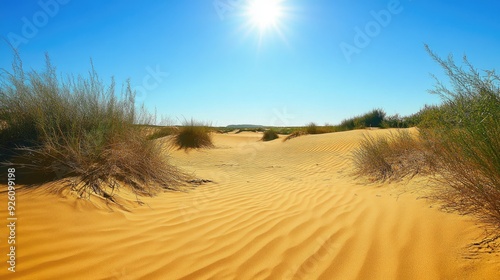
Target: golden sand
<point x="275" y="210"/>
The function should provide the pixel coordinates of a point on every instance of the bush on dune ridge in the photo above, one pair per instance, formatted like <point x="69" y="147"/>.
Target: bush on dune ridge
<point x="459" y="142"/>
<point x="269" y="135"/>
<point x="78" y="127"/>
<point x="373" y="118"/>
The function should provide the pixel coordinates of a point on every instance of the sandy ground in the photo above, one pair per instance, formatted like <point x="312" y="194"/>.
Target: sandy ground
<point x="275" y="210"/>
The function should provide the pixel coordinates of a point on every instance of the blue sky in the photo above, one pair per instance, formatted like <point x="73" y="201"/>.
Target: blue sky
<point x="323" y="61"/>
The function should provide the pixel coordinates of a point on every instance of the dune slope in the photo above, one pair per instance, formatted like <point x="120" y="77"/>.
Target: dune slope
<point x="274" y="210"/>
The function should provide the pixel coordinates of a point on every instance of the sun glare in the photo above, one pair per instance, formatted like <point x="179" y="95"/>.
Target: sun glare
<point x="264" y="13"/>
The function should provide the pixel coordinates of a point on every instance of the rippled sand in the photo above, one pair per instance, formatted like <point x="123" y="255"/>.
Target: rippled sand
<point x="275" y="210"/>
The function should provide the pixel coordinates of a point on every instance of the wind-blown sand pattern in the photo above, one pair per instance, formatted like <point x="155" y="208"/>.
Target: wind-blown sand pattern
<point x="275" y="210"/>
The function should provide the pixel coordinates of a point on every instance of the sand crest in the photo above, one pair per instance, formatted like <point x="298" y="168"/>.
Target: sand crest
<point x="275" y="210"/>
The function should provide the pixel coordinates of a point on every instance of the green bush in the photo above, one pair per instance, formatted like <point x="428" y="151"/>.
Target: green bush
<point x="467" y="139"/>
<point x="374" y="118"/>
<point x="79" y="128"/>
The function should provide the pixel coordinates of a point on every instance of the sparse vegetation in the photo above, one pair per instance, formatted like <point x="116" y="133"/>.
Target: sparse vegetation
<point x="459" y="141"/>
<point x="163" y="132"/>
<point x="193" y="135"/>
<point x="295" y="134"/>
<point x="79" y="128"/>
<point x="391" y="158"/>
<point x="312" y="128"/>
<point x="374" y="118"/>
<point x="269" y="135"/>
<point x="467" y="140"/>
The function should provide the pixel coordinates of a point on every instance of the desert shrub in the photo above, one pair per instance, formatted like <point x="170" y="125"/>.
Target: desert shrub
<point x="285" y="130"/>
<point x="193" y="135"/>
<point x="347" y="124"/>
<point x="269" y="135"/>
<point x="80" y="128"/>
<point x="395" y="121"/>
<point x="374" y="118"/>
<point x="428" y="116"/>
<point x="396" y="156"/>
<point x="162" y="132"/>
<point x="295" y="134"/>
<point x="312" y="128"/>
<point x="467" y="140"/>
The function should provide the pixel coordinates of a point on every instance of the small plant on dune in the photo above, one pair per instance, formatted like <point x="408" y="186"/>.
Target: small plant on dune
<point x="394" y="157"/>
<point x="193" y="135"/>
<point x="269" y="135"/>
<point x="467" y="141"/>
<point x="79" y="129"/>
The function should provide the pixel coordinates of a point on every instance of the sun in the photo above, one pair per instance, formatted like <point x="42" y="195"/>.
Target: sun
<point x="264" y="14"/>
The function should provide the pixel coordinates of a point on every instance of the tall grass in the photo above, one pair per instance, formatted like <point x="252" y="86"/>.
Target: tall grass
<point x="393" y="157"/>
<point x="193" y="135"/>
<point x="79" y="127"/>
<point x="460" y="142"/>
<point x="467" y="142"/>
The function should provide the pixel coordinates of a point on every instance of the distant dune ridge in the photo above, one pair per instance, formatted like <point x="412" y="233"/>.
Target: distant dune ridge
<point x="275" y="210"/>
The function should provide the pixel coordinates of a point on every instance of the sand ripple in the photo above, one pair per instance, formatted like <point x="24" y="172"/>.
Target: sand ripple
<point x="275" y="211"/>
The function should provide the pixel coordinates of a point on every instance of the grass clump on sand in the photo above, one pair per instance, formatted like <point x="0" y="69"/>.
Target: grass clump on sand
<point x="390" y="158"/>
<point x="269" y="135"/>
<point x="79" y="128"/>
<point x="467" y="142"/>
<point x="459" y="142"/>
<point x="193" y="135"/>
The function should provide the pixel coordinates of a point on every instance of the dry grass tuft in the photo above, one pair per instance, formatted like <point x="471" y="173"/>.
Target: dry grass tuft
<point x="79" y="128"/>
<point x="295" y="134"/>
<point x="460" y="144"/>
<point x="392" y="158"/>
<point x="193" y="135"/>
<point x="269" y="135"/>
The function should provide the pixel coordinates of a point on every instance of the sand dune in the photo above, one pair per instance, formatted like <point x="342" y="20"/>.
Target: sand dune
<point x="275" y="210"/>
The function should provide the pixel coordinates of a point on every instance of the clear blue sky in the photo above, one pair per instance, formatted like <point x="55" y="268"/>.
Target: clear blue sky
<point x="313" y="65"/>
